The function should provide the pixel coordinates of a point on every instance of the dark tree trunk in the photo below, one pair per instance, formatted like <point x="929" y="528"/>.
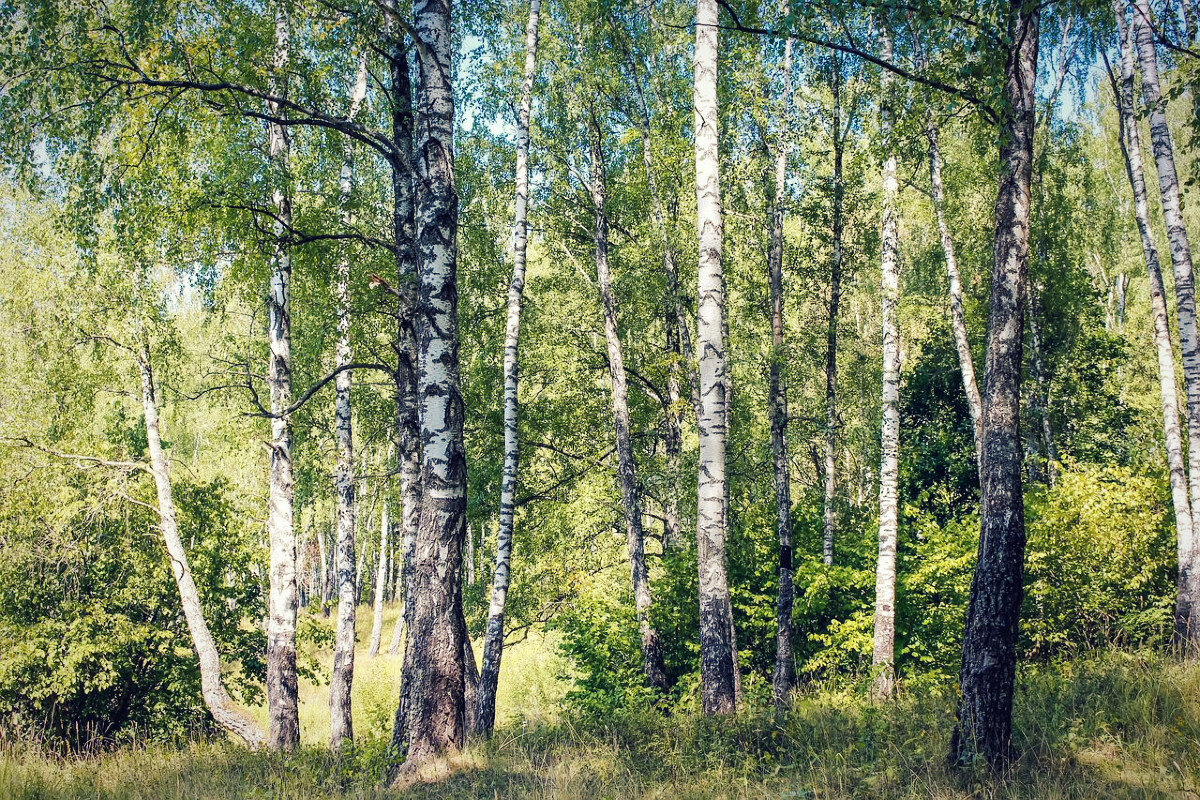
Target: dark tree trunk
<point x="433" y="679"/>
<point x="989" y="660"/>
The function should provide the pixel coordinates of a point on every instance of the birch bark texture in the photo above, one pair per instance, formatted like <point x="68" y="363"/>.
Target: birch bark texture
<point x="433" y="680"/>
<point x="884" y="639"/>
<point x="212" y="688"/>
<point x="493" y="640"/>
<point x="717" y="666"/>
<point x="988" y="672"/>
<point x="1181" y="254"/>
<point x="784" y="678"/>
<point x="1187" y="594"/>
<point x="631" y="501"/>
<point x="283" y="596"/>
<point x="341" y="722"/>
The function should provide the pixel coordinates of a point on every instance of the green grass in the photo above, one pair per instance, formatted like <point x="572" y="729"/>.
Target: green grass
<point x="1110" y="725"/>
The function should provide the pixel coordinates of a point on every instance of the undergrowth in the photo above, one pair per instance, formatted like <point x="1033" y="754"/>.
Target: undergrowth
<point x="1110" y="725"/>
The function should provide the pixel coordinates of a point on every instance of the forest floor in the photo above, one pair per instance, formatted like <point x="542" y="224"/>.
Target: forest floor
<point x="1112" y="725"/>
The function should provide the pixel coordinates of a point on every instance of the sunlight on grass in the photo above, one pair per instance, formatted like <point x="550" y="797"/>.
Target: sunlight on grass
<point x="1106" y="726"/>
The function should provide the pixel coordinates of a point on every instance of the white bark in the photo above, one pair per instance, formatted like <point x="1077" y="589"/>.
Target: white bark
<point x="1187" y="597"/>
<point x="883" y="649"/>
<point x="341" y="724"/>
<point x="493" y="641"/>
<point x="283" y="598"/>
<point x="212" y="688"/>
<point x="717" y="664"/>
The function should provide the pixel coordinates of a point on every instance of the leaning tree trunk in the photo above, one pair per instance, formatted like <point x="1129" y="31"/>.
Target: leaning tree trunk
<point x="958" y="321"/>
<point x="883" y="649"/>
<point x="381" y="573"/>
<point x="1181" y="261"/>
<point x="831" y="333"/>
<point x="493" y="640"/>
<point x="431" y="720"/>
<point x="717" y="666"/>
<point x="989" y="660"/>
<point x="652" y="660"/>
<point x="341" y="723"/>
<point x="282" y="686"/>
<point x="1187" y="594"/>
<point x="212" y="688"/>
<point x="784" y="679"/>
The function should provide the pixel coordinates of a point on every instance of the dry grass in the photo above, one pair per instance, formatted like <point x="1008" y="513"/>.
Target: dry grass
<point x="1109" y="726"/>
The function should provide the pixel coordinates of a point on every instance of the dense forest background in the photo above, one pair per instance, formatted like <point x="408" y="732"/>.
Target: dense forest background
<point x="139" y="237"/>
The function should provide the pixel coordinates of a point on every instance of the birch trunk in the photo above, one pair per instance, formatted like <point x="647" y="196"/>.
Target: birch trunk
<point x="784" y="679"/>
<point x="1181" y="261"/>
<point x="381" y="573"/>
<point x="831" y="334"/>
<point x="431" y="715"/>
<point x="717" y="666"/>
<point x="958" y="321"/>
<point x="493" y="640"/>
<point x="212" y="688"/>
<point x="282" y="687"/>
<point x="652" y="660"/>
<point x="989" y="660"/>
<point x="679" y="346"/>
<point x="883" y="649"/>
<point x="1187" y="595"/>
<point x="341" y="724"/>
<point x="408" y="432"/>
<point x="325" y="577"/>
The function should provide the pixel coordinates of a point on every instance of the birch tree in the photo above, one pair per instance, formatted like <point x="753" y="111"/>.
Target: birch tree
<point x="831" y="331"/>
<point x="718" y="667"/>
<point x="1181" y="258"/>
<point x="430" y="716"/>
<point x="493" y="645"/>
<point x="341" y="724"/>
<point x="1187" y="599"/>
<point x="212" y="686"/>
<point x="282" y="686"/>
<point x="883" y="646"/>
